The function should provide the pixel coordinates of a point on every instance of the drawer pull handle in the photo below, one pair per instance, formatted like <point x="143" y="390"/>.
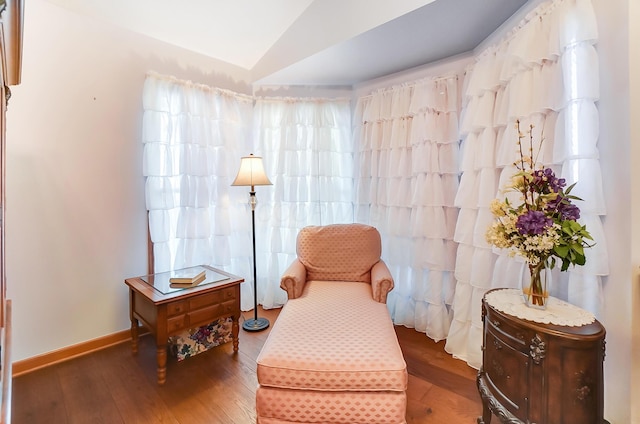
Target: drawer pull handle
<point x="496" y="323"/>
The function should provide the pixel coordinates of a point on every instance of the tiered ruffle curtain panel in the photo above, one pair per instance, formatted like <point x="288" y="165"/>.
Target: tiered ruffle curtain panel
<point x="406" y="180"/>
<point x="194" y="137"/>
<point x="308" y="155"/>
<point x="545" y="74"/>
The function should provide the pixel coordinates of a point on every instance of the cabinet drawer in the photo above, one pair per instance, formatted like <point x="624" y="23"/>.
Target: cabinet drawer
<point x="515" y="336"/>
<point x="205" y="315"/>
<point x="229" y="307"/>
<point x="228" y="294"/>
<point x="176" y="308"/>
<point x="175" y="323"/>
<point x="507" y="373"/>
<point x="205" y="300"/>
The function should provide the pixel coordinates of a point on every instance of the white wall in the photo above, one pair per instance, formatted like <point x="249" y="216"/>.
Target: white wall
<point x="615" y="144"/>
<point x="76" y="217"/>
<point x="633" y="49"/>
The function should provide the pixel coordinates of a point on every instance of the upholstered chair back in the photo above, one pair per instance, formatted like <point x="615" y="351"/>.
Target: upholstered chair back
<point x="339" y="252"/>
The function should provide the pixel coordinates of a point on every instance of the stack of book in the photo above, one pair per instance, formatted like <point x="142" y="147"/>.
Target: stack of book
<point x="187" y="278"/>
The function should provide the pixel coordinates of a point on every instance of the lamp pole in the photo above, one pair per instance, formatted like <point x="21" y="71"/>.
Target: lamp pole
<point x="255" y="324"/>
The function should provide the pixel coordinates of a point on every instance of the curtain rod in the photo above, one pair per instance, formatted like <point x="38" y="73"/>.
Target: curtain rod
<point x="200" y="86"/>
<point x="304" y="99"/>
<point x="410" y="84"/>
<point x="246" y="97"/>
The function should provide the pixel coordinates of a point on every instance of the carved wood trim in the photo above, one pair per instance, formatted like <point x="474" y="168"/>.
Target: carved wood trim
<point x="538" y="349"/>
<point x="496" y="408"/>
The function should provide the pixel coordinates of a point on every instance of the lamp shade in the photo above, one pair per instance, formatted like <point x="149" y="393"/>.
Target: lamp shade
<point x="251" y="172"/>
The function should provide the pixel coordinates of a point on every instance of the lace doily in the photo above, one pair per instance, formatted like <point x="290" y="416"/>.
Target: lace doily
<point x="558" y="312"/>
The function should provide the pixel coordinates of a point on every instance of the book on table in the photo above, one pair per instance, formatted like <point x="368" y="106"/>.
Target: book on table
<point x="161" y="283"/>
<point x="187" y="278"/>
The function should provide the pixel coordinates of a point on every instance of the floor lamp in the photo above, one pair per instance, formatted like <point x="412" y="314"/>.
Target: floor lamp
<point x="251" y="174"/>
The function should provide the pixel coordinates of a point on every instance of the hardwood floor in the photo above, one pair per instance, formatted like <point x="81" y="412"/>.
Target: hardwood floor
<point x="113" y="386"/>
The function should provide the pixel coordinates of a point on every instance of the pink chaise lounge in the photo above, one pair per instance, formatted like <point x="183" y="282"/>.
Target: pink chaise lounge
<point x="332" y="355"/>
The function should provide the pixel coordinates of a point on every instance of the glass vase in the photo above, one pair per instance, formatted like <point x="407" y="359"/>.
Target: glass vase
<point x="535" y="290"/>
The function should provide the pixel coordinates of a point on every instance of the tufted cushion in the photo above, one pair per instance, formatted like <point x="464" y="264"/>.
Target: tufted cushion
<point x="339" y="252"/>
<point x="357" y="349"/>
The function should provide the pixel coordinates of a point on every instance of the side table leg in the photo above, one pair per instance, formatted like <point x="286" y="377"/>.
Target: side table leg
<point x="235" y="331"/>
<point x="161" y="357"/>
<point x="134" y="336"/>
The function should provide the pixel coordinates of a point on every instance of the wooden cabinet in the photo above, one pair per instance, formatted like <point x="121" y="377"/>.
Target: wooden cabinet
<point x="168" y="312"/>
<point x="540" y="373"/>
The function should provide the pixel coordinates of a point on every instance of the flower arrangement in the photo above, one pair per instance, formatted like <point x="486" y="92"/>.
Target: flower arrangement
<point x="544" y="226"/>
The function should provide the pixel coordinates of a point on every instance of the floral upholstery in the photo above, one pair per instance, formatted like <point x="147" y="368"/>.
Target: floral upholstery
<point x="332" y="355"/>
<point x="198" y="340"/>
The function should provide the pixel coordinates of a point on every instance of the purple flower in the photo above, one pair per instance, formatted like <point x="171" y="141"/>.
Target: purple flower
<point x="564" y="207"/>
<point x="545" y="181"/>
<point x="533" y="223"/>
<point x="569" y="211"/>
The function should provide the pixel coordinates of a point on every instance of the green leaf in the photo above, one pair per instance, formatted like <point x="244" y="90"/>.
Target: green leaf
<point x="561" y="250"/>
<point x="575" y="226"/>
<point x="578" y="248"/>
<point x="572" y="197"/>
<point x="568" y="189"/>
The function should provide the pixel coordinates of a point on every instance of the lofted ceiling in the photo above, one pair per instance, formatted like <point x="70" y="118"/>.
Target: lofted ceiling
<point x="311" y="42"/>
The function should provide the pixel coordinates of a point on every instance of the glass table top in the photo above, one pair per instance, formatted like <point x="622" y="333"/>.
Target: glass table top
<point x="161" y="281"/>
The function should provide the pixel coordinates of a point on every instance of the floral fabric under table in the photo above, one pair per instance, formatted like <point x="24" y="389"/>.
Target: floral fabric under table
<point x="201" y="339"/>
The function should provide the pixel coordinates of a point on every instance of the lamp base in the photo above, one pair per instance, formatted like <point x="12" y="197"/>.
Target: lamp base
<point x="255" y="324"/>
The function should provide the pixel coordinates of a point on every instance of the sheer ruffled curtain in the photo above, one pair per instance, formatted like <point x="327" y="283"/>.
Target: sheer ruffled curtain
<point x="407" y="162"/>
<point x="545" y="73"/>
<point x="193" y="138"/>
<point x="308" y="155"/>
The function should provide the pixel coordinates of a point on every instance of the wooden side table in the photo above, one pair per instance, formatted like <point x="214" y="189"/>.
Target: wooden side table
<point x="166" y="311"/>
<point x="540" y="373"/>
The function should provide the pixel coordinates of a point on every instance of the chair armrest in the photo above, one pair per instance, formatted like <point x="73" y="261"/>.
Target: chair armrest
<point x="294" y="279"/>
<point x="381" y="281"/>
